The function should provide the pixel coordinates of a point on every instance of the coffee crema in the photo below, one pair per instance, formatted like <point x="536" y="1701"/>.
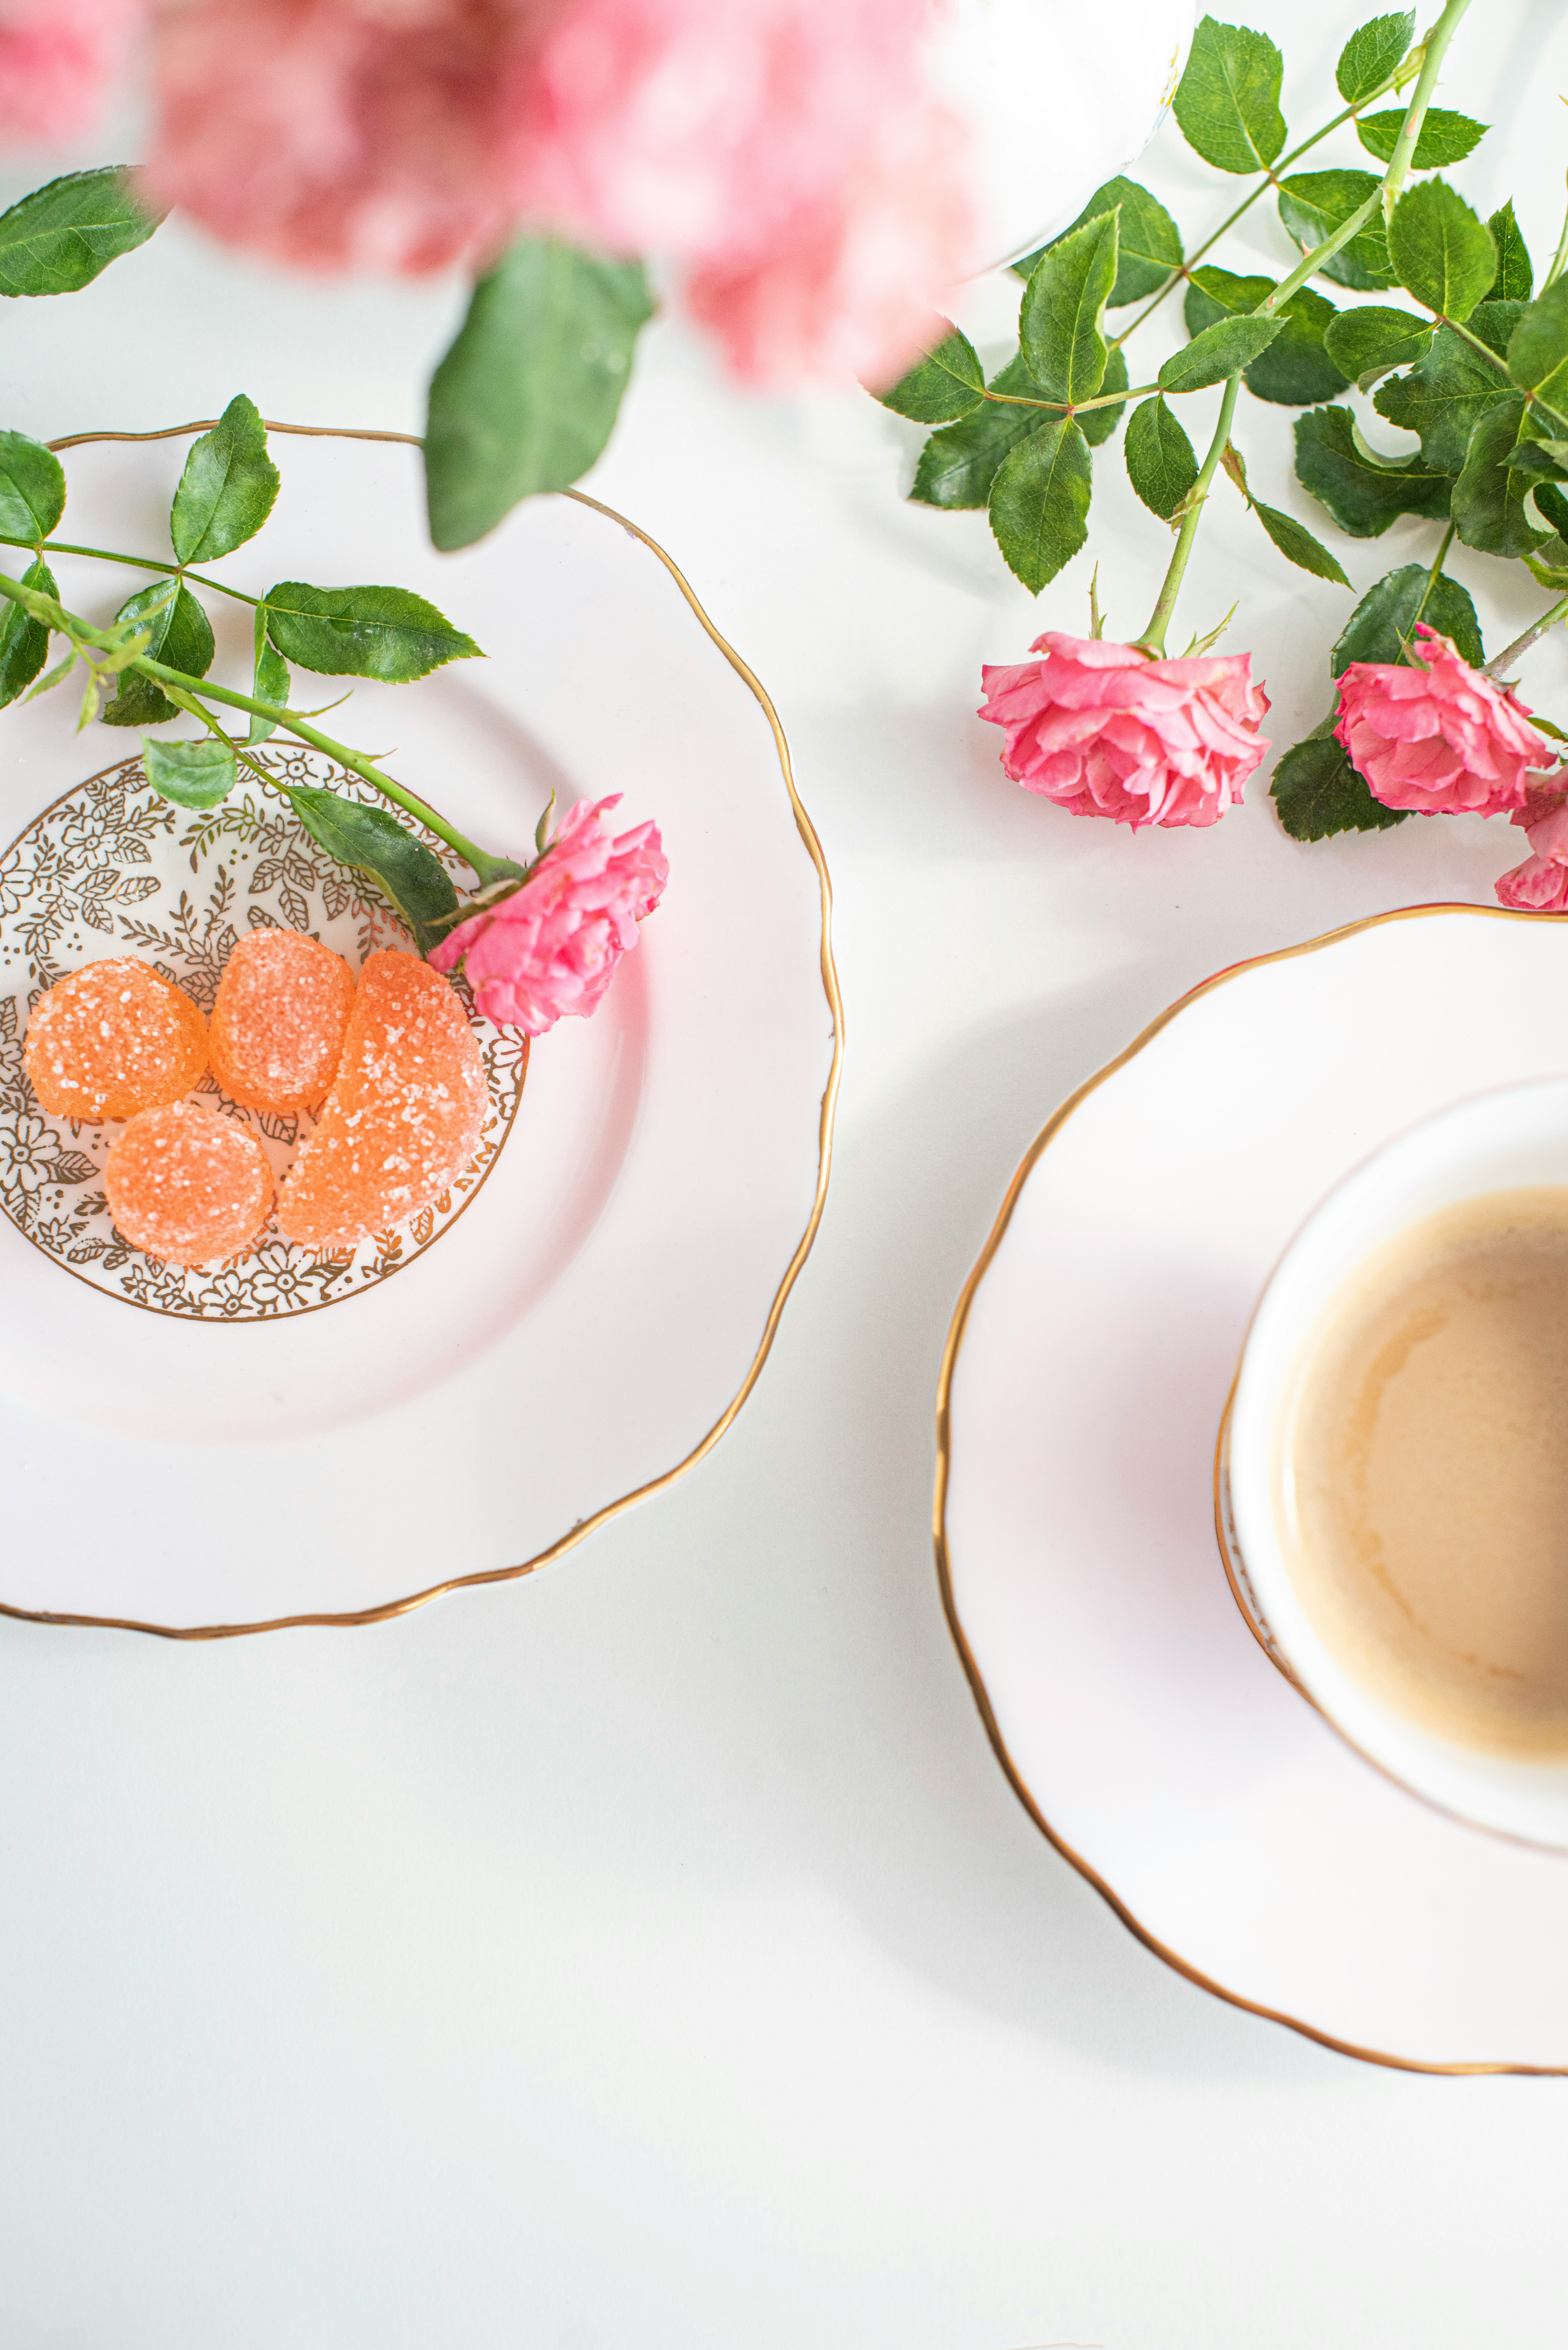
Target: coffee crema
<point x="1424" y="1473"/>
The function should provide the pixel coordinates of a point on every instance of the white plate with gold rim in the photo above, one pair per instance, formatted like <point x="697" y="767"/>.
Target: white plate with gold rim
<point x="1087" y="1373"/>
<point x="578" y="1329"/>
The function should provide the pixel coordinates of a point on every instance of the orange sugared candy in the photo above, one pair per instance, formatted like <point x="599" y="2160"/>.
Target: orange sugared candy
<point x="279" y="1021"/>
<point x="113" y="1038"/>
<point x="404" y="1119"/>
<point x="187" y="1185"/>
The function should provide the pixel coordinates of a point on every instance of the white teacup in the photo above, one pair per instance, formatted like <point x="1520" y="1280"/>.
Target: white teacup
<point x="1493" y="1142"/>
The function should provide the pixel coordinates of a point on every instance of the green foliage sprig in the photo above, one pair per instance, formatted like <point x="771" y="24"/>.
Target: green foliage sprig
<point x="149" y="664"/>
<point x="1477" y="370"/>
<point x="525" y="400"/>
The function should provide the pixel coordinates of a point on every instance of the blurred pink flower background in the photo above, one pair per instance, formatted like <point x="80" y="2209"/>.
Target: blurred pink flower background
<point x="784" y="155"/>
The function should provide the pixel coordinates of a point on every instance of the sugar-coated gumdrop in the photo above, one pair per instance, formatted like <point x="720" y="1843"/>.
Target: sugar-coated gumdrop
<point x="113" y="1038"/>
<point x="279" y="1021"/>
<point x="188" y="1185"/>
<point x="403" y="1117"/>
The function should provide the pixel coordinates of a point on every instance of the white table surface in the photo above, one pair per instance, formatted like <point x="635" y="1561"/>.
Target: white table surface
<point x="652" y="1953"/>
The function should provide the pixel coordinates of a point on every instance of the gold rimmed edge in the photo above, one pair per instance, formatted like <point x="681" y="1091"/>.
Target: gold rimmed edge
<point x="830" y="988"/>
<point x="978" y="1690"/>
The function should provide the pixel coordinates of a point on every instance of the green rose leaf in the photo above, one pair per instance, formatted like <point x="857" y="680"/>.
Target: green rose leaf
<point x="1372" y="341"/>
<point x="1297" y="544"/>
<point x="1313" y="205"/>
<point x="23" y="641"/>
<point x="1363" y="492"/>
<point x="1039" y="501"/>
<point x="946" y="383"/>
<point x="958" y="466"/>
<point x="179" y="634"/>
<point x="1371" y="56"/>
<point x="1148" y="243"/>
<point x="417" y="884"/>
<point x="32" y="489"/>
<point x="1228" y="99"/>
<point x="1553" y="453"/>
<point x="227" y="488"/>
<point x="1515" y="279"/>
<point x="57" y="240"/>
<point x="1383" y="625"/>
<point x="1443" y="399"/>
<point x="1213" y="294"/>
<point x="382" y="632"/>
<point x="1537" y="349"/>
<point x="1489" y="498"/>
<point x="1161" y="466"/>
<point x="1444" y="137"/>
<point x="1543" y="460"/>
<point x="1219" y="350"/>
<point x="1441" y="253"/>
<point x="1551" y="501"/>
<point x="270" y="682"/>
<point x="1493" y="324"/>
<point x="193" y="774"/>
<point x="527" y="396"/>
<point x="1059" y="326"/>
<point x="1317" y="793"/>
<point x="1097" y="424"/>
<point x="1295" y="370"/>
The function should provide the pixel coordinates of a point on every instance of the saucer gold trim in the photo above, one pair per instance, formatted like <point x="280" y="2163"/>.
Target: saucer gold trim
<point x="1019" y="1787"/>
<point x="830" y="989"/>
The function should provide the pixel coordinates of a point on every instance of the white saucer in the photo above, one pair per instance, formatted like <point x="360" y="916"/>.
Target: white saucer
<point x="594" y="1317"/>
<point x="1086" y="1372"/>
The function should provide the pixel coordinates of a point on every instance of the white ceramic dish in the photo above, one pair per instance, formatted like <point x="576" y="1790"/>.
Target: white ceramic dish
<point x="1086" y="1374"/>
<point x="596" y="1315"/>
<point x="1512" y="1136"/>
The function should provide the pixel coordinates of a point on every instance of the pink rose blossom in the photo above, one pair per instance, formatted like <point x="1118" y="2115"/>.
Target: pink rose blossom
<point x="1441" y="737"/>
<point x="1103" y="730"/>
<point x="57" y="60"/>
<point x="551" y="947"/>
<point x="1539" y="886"/>
<point x="785" y="154"/>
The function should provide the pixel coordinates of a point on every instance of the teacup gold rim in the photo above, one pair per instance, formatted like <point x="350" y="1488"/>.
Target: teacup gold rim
<point x="978" y="1690"/>
<point x="828" y="971"/>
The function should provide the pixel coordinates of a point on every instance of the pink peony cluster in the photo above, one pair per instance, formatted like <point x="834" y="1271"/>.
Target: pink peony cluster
<point x="1103" y="730"/>
<point x="1438" y="735"/>
<point x="785" y="154"/>
<point x="551" y="948"/>
<point x="57" y="59"/>
<point x="1539" y="886"/>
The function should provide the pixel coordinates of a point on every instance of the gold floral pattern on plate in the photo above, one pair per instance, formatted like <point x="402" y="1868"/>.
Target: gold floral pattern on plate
<point x="113" y="869"/>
